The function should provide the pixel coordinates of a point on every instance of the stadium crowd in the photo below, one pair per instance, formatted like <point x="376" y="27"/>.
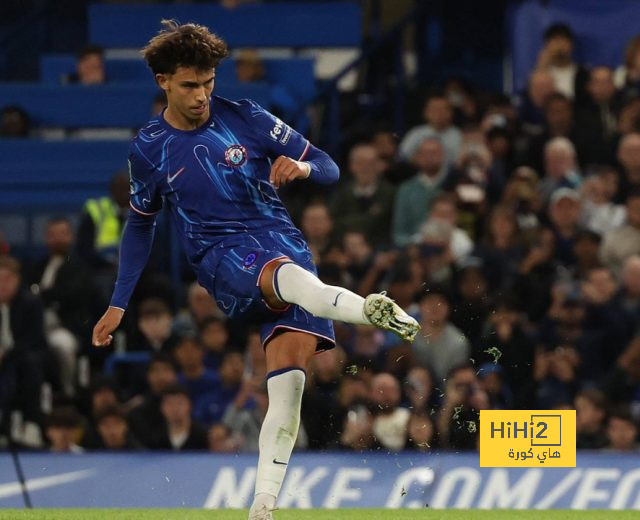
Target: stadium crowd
<point x="509" y="227"/>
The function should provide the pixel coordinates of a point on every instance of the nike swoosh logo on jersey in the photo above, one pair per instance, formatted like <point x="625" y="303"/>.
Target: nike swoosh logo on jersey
<point x="335" y="302"/>
<point x="278" y="462"/>
<point x="171" y="178"/>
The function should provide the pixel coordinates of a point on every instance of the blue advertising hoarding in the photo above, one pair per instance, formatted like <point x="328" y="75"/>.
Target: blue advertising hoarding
<point x="327" y="480"/>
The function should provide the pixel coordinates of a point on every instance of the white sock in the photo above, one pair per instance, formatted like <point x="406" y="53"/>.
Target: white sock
<point x="293" y="284"/>
<point x="279" y="432"/>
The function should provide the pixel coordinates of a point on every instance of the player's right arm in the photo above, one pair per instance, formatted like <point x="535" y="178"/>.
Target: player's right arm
<point x="135" y="246"/>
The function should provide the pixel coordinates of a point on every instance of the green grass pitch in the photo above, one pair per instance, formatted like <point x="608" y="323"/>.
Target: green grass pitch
<point x="300" y="514"/>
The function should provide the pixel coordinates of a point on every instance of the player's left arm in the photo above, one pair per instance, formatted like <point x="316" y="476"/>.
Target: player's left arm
<point x="292" y="155"/>
<point x="315" y="165"/>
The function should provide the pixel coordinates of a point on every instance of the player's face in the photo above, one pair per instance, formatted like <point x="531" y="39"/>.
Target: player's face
<point x="188" y="92"/>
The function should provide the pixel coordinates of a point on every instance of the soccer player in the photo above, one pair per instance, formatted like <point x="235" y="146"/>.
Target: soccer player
<point x="216" y="164"/>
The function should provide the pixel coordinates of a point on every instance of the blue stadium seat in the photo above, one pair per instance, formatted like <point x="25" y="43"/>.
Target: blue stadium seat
<point x="296" y="74"/>
<point x="273" y="24"/>
<point x="117" y="105"/>
<point x="57" y="175"/>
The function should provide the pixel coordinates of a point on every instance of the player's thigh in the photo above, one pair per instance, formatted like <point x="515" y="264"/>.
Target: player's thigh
<point x="290" y="349"/>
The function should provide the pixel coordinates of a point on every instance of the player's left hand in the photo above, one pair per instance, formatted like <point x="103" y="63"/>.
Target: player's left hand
<point x="285" y="169"/>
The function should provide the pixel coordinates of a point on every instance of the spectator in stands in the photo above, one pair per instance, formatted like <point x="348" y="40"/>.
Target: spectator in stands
<point x="179" y="432"/>
<point x="365" y="202"/>
<point x="555" y="375"/>
<point x="440" y="346"/>
<point x="438" y="115"/>
<point x="145" y="417"/>
<point x="622" y="383"/>
<point x="500" y="144"/>
<point x="622" y="430"/>
<point x="154" y="326"/>
<point x="629" y="116"/>
<point x="564" y="216"/>
<point x="597" y="120"/>
<point x="627" y="75"/>
<point x="317" y="226"/>
<point x="245" y="414"/>
<point x="559" y="122"/>
<point x="560" y="166"/>
<point x="623" y="242"/>
<point x="457" y="422"/>
<point x="321" y="414"/>
<point x="113" y="429"/>
<point x="531" y="111"/>
<point x="366" y="348"/>
<point x="90" y="67"/>
<point x="491" y="380"/>
<point x="63" y="430"/>
<point x="556" y="56"/>
<point x="390" y="420"/>
<point x="444" y="209"/>
<point x="629" y="158"/>
<point x="536" y="274"/>
<point x="586" y="247"/>
<point x="230" y="381"/>
<point x="14" y="122"/>
<point x="201" y="306"/>
<point x="66" y="288"/>
<point x="421" y="432"/>
<point x="23" y="353"/>
<point x="608" y="327"/>
<point x="505" y="343"/>
<point x="501" y="248"/>
<point x="100" y="230"/>
<point x="415" y="196"/>
<point x="249" y="66"/>
<point x="104" y="394"/>
<point x="599" y="213"/>
<point x="630" y="292"/>
<point x="471" y="299"/>
<point x="521" y="195"/>
<point x="418" y="386"/>
<point x="221" y="439"/>
<point x="201" y="382"/>
<point x="358" y="254"/>
<point x="214" y="337"/>
<point x="591" y="414"/>
<point x="385" y="141"/>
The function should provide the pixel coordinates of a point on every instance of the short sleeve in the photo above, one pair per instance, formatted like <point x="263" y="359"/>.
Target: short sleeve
<point x="144" y="196"/>
<point x="275" y="135"/>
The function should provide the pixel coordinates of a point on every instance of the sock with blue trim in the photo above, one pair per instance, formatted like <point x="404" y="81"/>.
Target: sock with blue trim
<point x="278" y="434"/>
<point x="294" y="284"/>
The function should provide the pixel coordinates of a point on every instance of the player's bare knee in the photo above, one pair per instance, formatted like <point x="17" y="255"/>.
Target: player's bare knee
<point x="267" y="285"/>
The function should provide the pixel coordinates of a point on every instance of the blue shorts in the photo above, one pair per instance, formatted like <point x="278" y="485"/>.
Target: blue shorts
<point x="231" y="274"/>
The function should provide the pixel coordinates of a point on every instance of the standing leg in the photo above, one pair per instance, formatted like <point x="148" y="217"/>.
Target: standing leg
<point x="288" y="356"/>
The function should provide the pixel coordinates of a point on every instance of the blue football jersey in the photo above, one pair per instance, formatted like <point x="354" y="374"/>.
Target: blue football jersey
<point x="215" y="178"/>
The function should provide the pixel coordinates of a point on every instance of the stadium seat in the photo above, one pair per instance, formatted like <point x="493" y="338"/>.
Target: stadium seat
<point x="277" y="24"/>
<point x="117" y="105"/>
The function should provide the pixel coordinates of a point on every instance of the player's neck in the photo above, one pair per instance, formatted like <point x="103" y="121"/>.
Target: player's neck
<point x="180" y="122"/>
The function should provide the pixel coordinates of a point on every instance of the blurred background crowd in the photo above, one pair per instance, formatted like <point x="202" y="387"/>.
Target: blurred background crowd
<point x="507" y="224"/>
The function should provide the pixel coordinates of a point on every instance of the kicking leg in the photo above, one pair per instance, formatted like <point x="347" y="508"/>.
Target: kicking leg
<point x="288" y="356"/>
<point x="285" y="282"/>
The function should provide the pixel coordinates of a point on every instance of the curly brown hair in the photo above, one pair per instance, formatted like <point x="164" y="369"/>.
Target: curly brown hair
<point x="187" y="45"/>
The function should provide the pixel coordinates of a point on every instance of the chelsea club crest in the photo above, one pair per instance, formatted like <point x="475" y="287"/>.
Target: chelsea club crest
<point x="235" y="155"/>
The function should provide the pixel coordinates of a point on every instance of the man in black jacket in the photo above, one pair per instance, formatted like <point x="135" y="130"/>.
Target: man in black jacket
<point x="23" y="348"/>
<point x="65" y="286"/>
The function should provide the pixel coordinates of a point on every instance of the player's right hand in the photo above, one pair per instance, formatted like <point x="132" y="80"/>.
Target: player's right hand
<point x="108" y="323"/>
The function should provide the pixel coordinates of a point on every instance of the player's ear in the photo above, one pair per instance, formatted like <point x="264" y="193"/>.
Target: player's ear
<point x="163" y="81"/>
